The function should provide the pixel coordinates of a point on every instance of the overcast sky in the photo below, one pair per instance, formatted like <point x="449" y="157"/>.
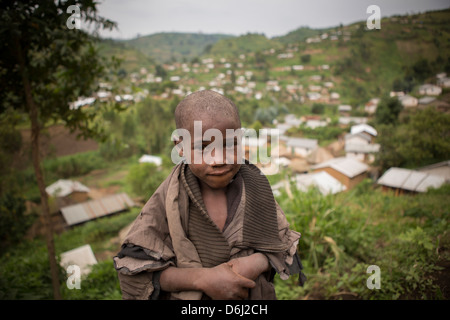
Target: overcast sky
<point x="237" y="17"/>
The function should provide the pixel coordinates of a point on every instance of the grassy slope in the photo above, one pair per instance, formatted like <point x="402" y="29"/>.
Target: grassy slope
<point x="164" y="46"/>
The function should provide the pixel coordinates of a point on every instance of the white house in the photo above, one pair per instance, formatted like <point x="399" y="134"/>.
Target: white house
<point x="430" y="90"/>
<point x="357" y="139"/>
<point x="301" y="146"/>
<point x="362" y="152"/>
<point x="371" y="106"/>
<point x="401" y="179"/>
<point x="444" y="82"/>
<point x="313" y="96"/>
<point x="441" y="169"/>
<point x="364" y="128"/>
<point x="408" y="101"/>
<point x="323" y="181"/>
<point x="344" y="108"/>
<point x="151" y="159"/>
<point x="63" y="188"/>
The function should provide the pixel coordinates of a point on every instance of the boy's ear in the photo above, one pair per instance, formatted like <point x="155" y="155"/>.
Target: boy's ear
<point x="179" y="147"/>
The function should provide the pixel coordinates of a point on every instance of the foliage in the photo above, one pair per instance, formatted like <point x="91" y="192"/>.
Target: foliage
<point x="422" y="139"/>
<point x="163" y="47"/>
<point x="60" y="64"/>
<point x="24" y="266"/>
<point x="100" y="284"/>
<point x="342" y="235"/>
<point x="13" y="222"/>
<point x="388" y="111"/>
<point x="144" y="179"/>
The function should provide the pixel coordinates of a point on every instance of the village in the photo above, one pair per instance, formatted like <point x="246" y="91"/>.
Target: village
<point x="333" y="168"/>
<point x="319" y="126"/>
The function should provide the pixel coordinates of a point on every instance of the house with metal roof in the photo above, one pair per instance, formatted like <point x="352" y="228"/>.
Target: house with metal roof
<point x="323" y="181"/>
<point x="92" y="209"/>
<point x="301" y="146"/>
<point x="67" y="192"/>
<point x="82" y="257"/>
<point x="146" y="158"/>
<point x="409" y="181"/>
<point x="441" y="169"/>
<point x="348" y="171"/>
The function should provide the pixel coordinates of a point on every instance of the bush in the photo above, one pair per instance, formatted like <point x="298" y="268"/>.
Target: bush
<point x="343" y="234"/>
<point x="144" y="179"/>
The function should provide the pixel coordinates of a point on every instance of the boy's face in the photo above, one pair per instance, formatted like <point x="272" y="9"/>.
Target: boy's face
<point x="220" y="165"/>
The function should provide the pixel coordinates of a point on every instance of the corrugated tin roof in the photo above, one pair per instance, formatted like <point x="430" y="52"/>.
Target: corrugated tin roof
<point x="62" y="188"/>
<point x="362" y="148"/>
<point x="93" y="209"/>
<point x="363" y="127"/>
<point x="82" y="256"/>
<point x="302" y="143"/>
<point x="347" y="166"/>
<point x="411" y="180"/>
<point x="322" y="180"/>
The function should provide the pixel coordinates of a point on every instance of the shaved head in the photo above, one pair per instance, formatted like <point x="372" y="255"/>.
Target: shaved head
<point x="205" y="104"/>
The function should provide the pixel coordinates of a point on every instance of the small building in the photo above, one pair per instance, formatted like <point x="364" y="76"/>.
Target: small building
<point x="348" y="171"/>
<point x="323" y="181"/>
<point x="68" y="192"/>
<point x="430" y="90"/>
<point x="349" y="120"/>
<point x="441" y="169"/>
<point x="444" y="82"/>
<point x="93" y="209"/>
<point x="364" y="129"/>
<point x="362" y="152"/>
<point x="146" y="158"/>
<point x="357" y="138"/>
<point x="344" y="109"/>
<point x="408" y="101"/>
<point x="371" y="106"/>
<point x="301" y="146"/>
<point x="426" y="100"/>
<point x="82" y="257"/>
<point x="409" y="181"/>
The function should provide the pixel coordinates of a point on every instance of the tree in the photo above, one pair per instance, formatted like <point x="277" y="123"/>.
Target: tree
<point x="424" y="139"/>
<point x="46" y="63"/>
<point x="388" y="110"/>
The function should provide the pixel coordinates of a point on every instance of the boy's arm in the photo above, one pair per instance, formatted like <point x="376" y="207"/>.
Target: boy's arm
<point x="250" y="266"/>
<point x="220" y="282"/>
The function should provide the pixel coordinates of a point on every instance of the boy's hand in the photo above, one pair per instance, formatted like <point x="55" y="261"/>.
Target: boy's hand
<point x="250" y="266"/>
<point x="222" y="283"/>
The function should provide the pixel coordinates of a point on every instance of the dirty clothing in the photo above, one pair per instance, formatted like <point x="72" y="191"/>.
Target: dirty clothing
<point x="174" y="229"/>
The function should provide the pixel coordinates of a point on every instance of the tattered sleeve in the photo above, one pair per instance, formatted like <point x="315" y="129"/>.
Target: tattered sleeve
<point x="288" y="262"/>
<point x="146" y="250"/>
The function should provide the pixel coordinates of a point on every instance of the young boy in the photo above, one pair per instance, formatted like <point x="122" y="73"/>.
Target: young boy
<point x="212" y="230"/>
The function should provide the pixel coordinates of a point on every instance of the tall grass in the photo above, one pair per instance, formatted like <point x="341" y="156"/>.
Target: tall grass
<point x="342" y="235"/>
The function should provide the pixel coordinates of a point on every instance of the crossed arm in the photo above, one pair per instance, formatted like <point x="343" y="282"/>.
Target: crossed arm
<point x="230" y="280"/>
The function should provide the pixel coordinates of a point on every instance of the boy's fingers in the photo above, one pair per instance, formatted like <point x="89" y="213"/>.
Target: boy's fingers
<point x="246" y="282"/>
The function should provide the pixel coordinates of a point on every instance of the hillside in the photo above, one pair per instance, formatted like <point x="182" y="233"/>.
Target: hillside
<point x="361" y="63"/>
<point x="247" y="43"/>
<point x="164" y="47"/>
<point x="131" y="58"/>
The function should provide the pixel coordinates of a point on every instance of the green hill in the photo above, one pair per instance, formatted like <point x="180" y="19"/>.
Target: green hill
<point x="250" y="42"/>
<point x="132" y="59"/>
<point x="362" y="63"/>
<point x="298" y="35"/>
<point x="164" y="47"/>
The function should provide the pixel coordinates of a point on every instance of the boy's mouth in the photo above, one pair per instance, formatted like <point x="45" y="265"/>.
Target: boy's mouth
<point x="219" y="172"/>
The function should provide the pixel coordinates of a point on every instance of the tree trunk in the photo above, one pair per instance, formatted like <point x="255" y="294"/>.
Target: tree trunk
<point x="35" y="131"/>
